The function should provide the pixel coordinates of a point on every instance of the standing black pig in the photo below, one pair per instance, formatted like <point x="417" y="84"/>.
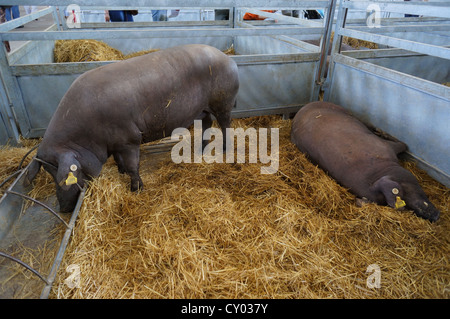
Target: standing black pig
<point x="357" y="158"/>
<point x="112" y="109"/>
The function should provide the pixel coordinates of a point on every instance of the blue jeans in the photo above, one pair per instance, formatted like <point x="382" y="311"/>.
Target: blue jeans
<point x="14" y="11"/>
<point x="120" y="15"/>
<point x="159" y="15"/>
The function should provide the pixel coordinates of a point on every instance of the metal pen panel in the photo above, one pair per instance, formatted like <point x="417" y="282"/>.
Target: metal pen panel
<point x="408" y="108"/>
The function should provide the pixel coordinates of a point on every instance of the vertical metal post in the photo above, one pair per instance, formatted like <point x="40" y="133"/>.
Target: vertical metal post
<point x="336" y="47"/>
<point x="231" y="17"/>
<point x="325" y="44"/>
<point x="12" y="90"/>
<point x="62" y="17"/>
<point x="5" y="109"/>
<point x="56" y="19"/>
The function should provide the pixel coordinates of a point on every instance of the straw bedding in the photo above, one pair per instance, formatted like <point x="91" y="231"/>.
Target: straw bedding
<point x="226" y="231"/>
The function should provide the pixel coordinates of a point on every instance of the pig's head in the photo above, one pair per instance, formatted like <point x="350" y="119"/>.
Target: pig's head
<point x="68" y="176"/>
<point x="403" y="192"/>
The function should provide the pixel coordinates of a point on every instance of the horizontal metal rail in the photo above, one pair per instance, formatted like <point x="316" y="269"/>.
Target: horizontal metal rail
<point x="176" y="4"/>
<point x="152" y="33"/>
<point x="419" y="47"/>
<point x="442" y="26"/>
<point x="81" y="67"/>
<point x="412" y="82"/>
<point x="154" y="24"/>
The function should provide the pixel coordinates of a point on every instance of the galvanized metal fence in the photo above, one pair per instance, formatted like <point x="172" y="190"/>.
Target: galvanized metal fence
<point x="35" y="87"/>
<point x="397" y="88"/>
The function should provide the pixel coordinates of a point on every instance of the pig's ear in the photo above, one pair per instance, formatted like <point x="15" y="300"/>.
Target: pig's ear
<point x="69" y="170"/>
<point x="32" y="171"/>
<point x="392" y="191"/>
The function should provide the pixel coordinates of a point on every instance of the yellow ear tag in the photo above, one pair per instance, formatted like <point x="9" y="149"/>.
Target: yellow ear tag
<point x="399" y="203"/>
<point x="71" y="179"/>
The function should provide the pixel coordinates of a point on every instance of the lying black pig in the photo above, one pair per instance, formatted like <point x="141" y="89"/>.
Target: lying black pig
<point x="357" y="158"/>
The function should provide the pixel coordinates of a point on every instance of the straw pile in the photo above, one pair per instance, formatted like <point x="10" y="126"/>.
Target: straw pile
<point x="356" y="43"/>
<point x="93" y="50"/>
<point x="84" y="50"/>
<point x="90" y="50"/>
<point x="226" y="231"/>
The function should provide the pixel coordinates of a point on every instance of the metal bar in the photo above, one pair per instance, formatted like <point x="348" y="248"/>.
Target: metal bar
<point x="325" y="44"/>
<point x="39" y="203"/>
<point x="12" y="90"/>
<point x="403" y="28"/>
<point x="428" y="49"/>
<point x="92" y="25"/>
<point x="55" y="68"/>
<point x="258" y="111"/>
<point x="152" y="33"/>
<point x="22" y="171"/>
<point x="10" y="176"/>
<point x="401" y="21"/>
<point x="62" y="18"/>
<point x="62" y="248"/>
<point x="335" y="48"/>
<point x="56" y="18"/>
<point x="302" y="35"/>
<point x="34" y="271"/>
<point x="7" y="115"/>
<point x="218" y="4"/>
<point x="380" y="53"/>
<point x="81" y="67"/>
<point x="275" y="58"/>
<point x="431" y="88"/>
